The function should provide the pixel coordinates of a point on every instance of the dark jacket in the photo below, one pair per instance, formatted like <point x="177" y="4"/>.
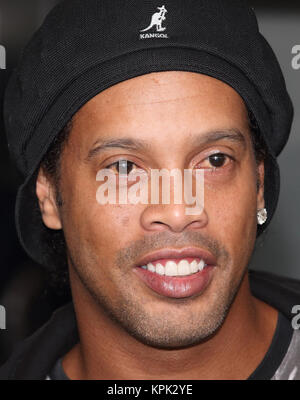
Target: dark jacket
<point x="34" y="357"/>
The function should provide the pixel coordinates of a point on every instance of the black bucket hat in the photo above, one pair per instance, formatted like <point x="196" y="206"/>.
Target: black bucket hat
<point x="84" y="47"/>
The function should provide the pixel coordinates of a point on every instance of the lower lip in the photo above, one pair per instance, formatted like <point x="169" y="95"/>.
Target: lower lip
<point x="176" y="286"/>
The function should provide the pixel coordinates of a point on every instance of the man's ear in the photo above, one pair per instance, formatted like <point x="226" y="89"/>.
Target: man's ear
<point x="260" y="185"/>
<point x="45" y="192"/>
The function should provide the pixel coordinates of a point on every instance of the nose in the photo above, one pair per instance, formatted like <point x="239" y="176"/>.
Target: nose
<point x="174" y="217"/>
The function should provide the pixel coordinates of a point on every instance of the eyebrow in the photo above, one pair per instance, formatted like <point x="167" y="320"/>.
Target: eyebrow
<point x="234" y="135"/>
<point x="121" y="143"/>
<point x="130" y="144"/>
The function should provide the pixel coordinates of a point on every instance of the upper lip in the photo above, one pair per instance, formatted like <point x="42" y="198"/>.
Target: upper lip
<point x="208" y="258"/>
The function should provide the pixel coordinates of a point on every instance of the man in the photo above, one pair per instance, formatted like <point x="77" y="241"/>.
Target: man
<point x="157" y="293"/>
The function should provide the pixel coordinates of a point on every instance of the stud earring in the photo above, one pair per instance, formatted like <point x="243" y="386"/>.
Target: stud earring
<point x="262" y="216"/>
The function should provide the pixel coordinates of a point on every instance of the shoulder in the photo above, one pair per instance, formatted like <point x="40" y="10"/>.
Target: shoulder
<point x="280" y="292"/>
<point x="33" y="357"/>
<point x="290" y="366"/>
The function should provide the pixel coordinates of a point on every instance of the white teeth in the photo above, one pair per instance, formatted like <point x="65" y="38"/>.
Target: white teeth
<point x="184" y="268"/>
<point x="194" y="266"/>
<point x="160" y="269"/>
<point x="151" y="267"/>
<point x="171" y="268"/>
<point x="201" y="265"/>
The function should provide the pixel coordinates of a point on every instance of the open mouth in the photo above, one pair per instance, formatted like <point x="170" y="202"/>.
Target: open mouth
<point x="177" y="278"/>
<point x="175" y="267"/>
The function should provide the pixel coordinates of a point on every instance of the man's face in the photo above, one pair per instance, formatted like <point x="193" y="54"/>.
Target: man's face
<point x="175" y="115"/>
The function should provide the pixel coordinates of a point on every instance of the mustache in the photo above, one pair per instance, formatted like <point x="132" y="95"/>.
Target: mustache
<point x="152" y="242"/>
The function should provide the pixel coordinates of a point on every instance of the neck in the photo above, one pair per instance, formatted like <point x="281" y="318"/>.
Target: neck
<point x="233" y="352"/>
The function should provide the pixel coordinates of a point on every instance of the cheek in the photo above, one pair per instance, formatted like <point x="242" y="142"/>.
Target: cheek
<point x="87" y="221"/>
<point x="231" y="210"/>
<point x="112" y="222"/>
<point x="98" y="225"/>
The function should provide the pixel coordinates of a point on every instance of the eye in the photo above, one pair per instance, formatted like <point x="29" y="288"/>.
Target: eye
<point x="123" y="167"/>
<point x="217" y="160"/>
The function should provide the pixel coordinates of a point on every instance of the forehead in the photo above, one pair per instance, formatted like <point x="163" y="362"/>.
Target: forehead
<point x="169" y="101"/>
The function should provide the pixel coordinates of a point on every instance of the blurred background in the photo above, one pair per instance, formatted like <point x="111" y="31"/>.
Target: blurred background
<point x="24" y="289"/>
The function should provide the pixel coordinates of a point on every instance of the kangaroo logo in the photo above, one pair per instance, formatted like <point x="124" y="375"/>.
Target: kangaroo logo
<point x="157" y="20"/>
